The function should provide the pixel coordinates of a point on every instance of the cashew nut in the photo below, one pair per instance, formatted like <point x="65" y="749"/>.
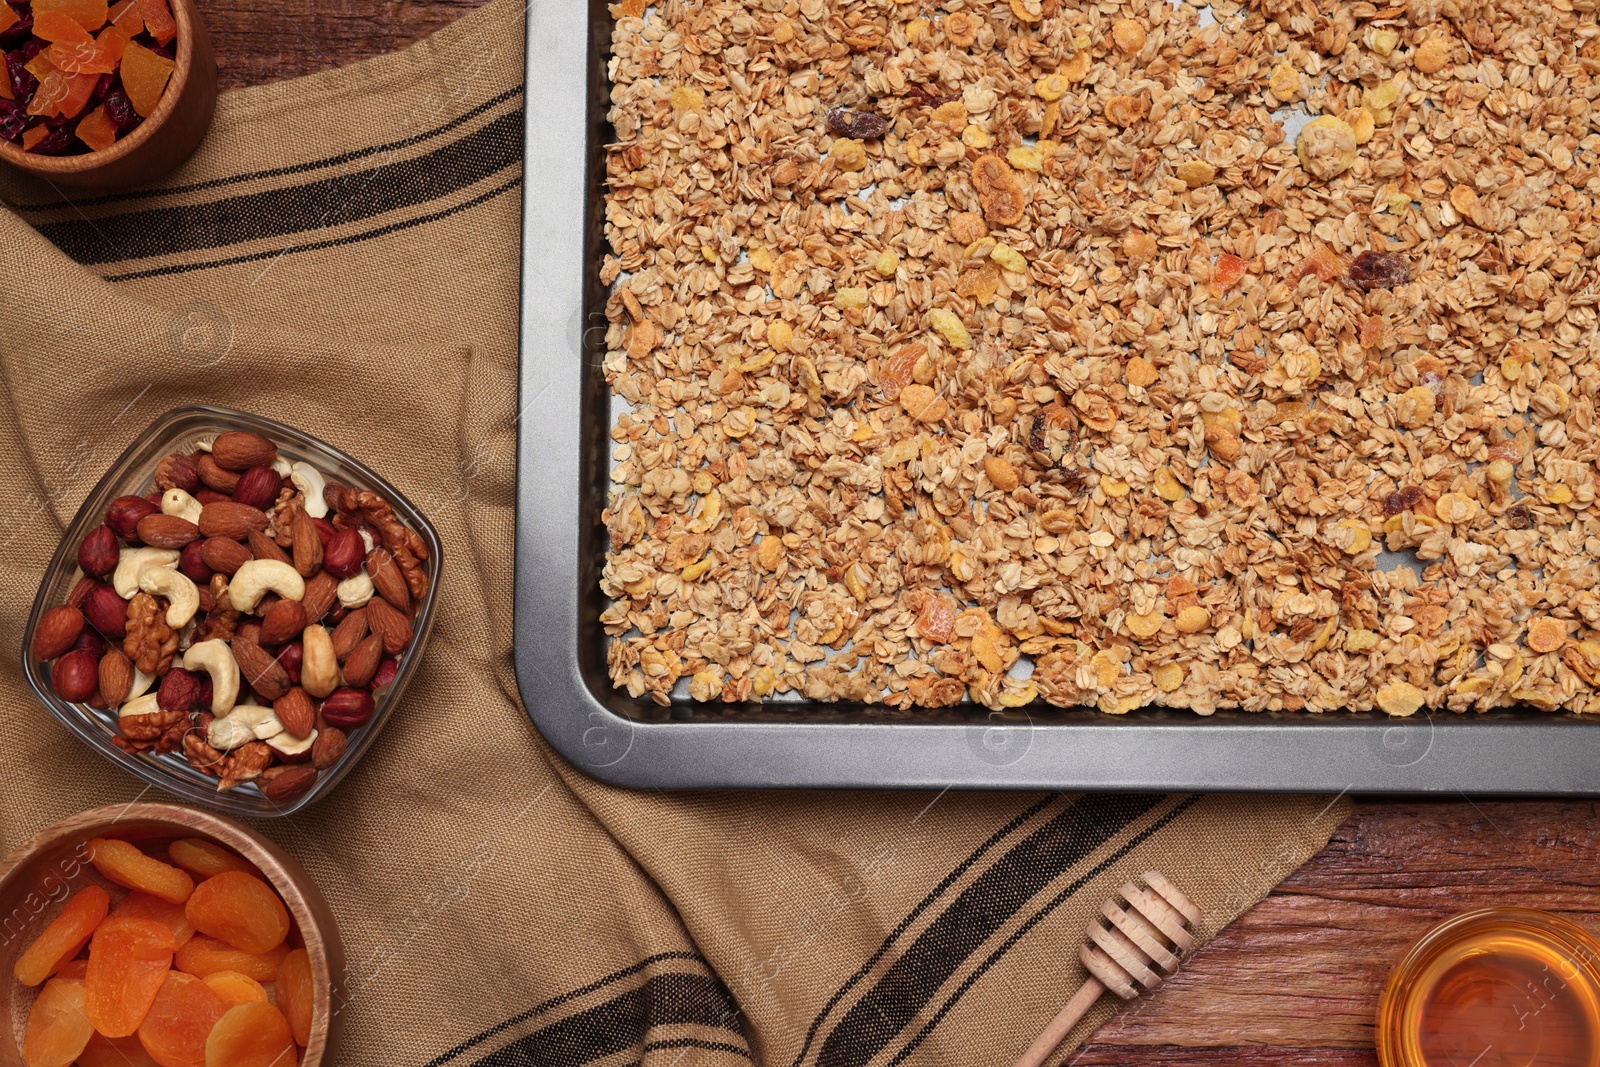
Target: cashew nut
<point x="255" y="578"/>
<point x="288" y="744"/>
<point x="131" y="565"/>
<point x="245" y="723"/>
<point x="319" y="668"/>
<point x="176" y="502"/>
<point x="310" y="481"/>
<point x="205" y="443"/>
<point x="216" y="659"/>
<point x="144" y="705"/>
<point x="183" y="599"/>
<point x="281" y="466"/>
<point x="355" y="591"/>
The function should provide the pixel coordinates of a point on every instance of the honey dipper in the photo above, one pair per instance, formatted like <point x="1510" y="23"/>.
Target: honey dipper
<point x="1139" y="947"/>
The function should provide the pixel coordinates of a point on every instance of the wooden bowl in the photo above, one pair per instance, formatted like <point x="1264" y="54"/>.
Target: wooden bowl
<point x="162" y="142"/>
<point x="37" y="879"/>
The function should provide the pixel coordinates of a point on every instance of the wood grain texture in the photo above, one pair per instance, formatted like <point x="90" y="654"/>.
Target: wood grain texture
<point x="1296" y="979"/>
<point x="268" y="40"/>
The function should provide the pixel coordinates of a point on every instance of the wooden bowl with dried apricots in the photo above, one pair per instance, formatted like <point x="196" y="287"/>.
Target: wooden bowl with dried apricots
<point x="152" y="932"/>
<point x="103" y="96"/>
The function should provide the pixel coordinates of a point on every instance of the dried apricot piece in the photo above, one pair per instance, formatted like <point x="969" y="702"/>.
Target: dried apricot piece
<point x="1226" y="275"/>
<point x="1325" y="263"/>
<point x="158" y="20"/>
<point x="125" y="865"/>
<point x="241" y="910"/>
<point x="235" y="988"/>
<point x="102" y="1051"/>
<point x="34" y="135"/>
<point x="144" y="906"/>
<point x="144" y="77"/>
<point x="180" y="1020"/>
<point x="896" y="372"/>
<point x="78" y="969"/>
<point x="90" y="14"/>
<point x="58" y="1028"/>
<point x="114" y="39"/>
<point x="8" y="18"/>
<point x="97" y="130"/>
<point x="251" y="1035"/>
<point x="295" y="993"/>
<point x="79" y="88"/>
<point x="204" y="859"/>
<point x="82" y="57"/>
<point x="55" y="27"/>
<point x="204" y="956"/>
<point x="125" y="15"/>
<point x="128" y="962"/>
<point x="936" y="619"/>
<point x="64" y="937"/>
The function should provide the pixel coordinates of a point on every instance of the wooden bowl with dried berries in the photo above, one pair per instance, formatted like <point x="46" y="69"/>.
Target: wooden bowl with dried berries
<point x="158" y="934"/>
<point x="97" y="95"/>
<point x="234" y="612"/>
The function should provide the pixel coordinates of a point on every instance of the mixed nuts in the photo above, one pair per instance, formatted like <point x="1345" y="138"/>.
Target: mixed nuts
<point x="245" y="612"/>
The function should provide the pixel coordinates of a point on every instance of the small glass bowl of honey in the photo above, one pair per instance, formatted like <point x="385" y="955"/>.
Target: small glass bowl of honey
<point x="1498" y="987"/>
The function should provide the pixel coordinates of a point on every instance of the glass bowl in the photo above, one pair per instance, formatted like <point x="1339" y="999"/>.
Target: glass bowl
<point x="134" y="473"/>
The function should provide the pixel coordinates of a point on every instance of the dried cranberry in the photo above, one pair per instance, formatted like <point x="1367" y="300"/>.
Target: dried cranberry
<point x="23" y="84"/>
<point x="119" y="109"/>
<point x="168" y="50"/>
<point x="58" y="142"/>
<point x="18" y="31"/>
<point x="1519" y="516"/>
<point x="862" y="125"/>
<point x="13" y="120"/>
<point x="1378" y="270"/>
<point x="101" y="88"/>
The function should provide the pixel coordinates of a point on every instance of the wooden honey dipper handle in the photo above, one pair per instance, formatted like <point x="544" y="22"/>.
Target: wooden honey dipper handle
<point x="1140" y="945"/>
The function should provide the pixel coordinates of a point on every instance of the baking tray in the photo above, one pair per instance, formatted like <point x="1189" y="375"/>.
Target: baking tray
<point x="563" y="454"/>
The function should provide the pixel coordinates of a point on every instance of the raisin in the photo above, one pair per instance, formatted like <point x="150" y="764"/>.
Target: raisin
<point x="204" y="956"/>
<point x="64" y="937"/>
<point x="1519" y="516"/>
<point x="250" y="1035"/>
<point x="1378" y="270"/>
<point x="180" y="1020"/>
<point x="1402" y="500"/>
<point x="235" y="988"/>
<point x="860" y="125"/>
<point x="172" y="916"/>
<point x="58" y="1029"/>
<point x="203" y="859"/>
<point x="241" y="910"/>
<point x="296" y="993"/>
<point x="926" y="97"/>
<point x="125" y="865"/>
<point x="128" y="963"/>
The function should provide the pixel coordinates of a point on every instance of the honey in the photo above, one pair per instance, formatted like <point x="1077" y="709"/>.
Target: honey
<point x="1500" y="987"/>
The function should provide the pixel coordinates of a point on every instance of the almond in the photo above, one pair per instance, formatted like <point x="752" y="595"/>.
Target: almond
<point x="389" y="624"/>
<point x="217" y="479"/>
<point x="282" y="623"/>
<point x="58" y="631"/>
<point x="167" y="531"/>
<point x="231" y="519"/>
<point x="239" y="450"/>
<point x="224" y="555"/>
<point x="264" y="547"/>
<point x="322" y="591"/>
<point x="116" y="677"/>
<point x="328" y="748"/>
<point x="351" y="629"/>
<point x="295" y="710"/>
<point x="286" y="782"/>
<point x="388" y="579"/>
<point x="261" y="671"/>
<point x="307" y="544"/>
<point x="362" y="663"/>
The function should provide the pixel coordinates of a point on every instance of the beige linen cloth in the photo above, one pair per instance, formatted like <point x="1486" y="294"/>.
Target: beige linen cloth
<point x="343" y="255"/>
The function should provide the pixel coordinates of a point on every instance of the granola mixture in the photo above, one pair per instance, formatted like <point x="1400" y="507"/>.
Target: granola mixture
<point x="970" y="337"/>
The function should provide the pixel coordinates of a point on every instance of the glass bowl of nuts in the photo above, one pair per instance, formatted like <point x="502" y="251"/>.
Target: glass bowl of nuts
<point x="235" y="611"/>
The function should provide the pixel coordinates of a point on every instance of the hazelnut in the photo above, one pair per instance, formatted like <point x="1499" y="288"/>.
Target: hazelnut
<point x="75" y="676"/>
<point x="347" y="708"/>
<point x="345" y="555"/>
<point x="124" y="514"/>
<point x="99" y="552"/>
<point x="258" y="487"/>
<point x="107" y="612"/>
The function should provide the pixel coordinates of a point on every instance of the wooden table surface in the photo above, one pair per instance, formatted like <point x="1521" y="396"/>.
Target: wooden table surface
<point x="1295" y="979"/>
